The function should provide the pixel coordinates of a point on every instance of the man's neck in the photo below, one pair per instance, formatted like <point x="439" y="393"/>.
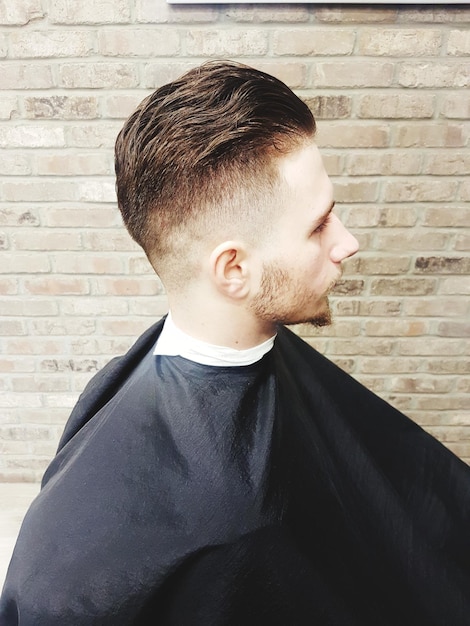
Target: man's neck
<point x="231" y="327"/>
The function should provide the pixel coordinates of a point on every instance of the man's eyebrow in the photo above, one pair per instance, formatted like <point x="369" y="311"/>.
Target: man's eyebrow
<point x="319" y="220"/>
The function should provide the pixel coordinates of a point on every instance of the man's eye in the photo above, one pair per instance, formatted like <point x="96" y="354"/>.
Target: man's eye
<point x="321" y="227"/>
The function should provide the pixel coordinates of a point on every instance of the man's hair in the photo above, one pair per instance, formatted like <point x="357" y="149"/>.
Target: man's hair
<point x="201" y="151"/>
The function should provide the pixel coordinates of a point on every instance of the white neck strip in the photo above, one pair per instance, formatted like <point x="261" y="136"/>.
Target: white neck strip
<point x="174" y="342"/>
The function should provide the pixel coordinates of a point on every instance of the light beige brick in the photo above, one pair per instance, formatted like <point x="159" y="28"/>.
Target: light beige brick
<point x="403" y="286"/>
<point x="26" y="76"/>
<point x="352" y="74"/>
<point x="64" y="263"/>
<point x="376" y="163"/>
<point x="139" y="43"/>
<point x="426" y="346"/>
<point x="464" y="191"/>
<point x="8" y="286"/>
<point x="359" y="217"/>
<point x="355" y="15"/>
<point x="448" y="164"/>
<point x="148" y="11"/>
<point x="430" y="190"/>
<point x="61" y="107"/>
<point x="447" y="217"/>
<point x="458" y="43"/>
<point x="366" y="346"/>
<point x="9" y="400"/>
<point x="293" y="73"/>
<point x="390" y="365"/>
<point x="13" y="365"/>
<point x="333" y="164"/>
<point x="19" y="216"/>
<point x="259" y="13"/>
<point x="35" y="346"/>
<point x="221" y="43"/>
<point x="400" y="42"/>
<point x="4" y="241"/>
<point x="97" y="191"/>
<point x="34" y="191"/>
<point x="20" y="12"/>
<point x="94" y="306"/>
<point x="154" y="307"/>
<point x="40" y="384"/>
<point x="121" y="106"/>
<point x="380" y="308"/>
<point x="129" y="286"/>
<point x="311" y="41"/>
<point x="396" y="216"/>
<point x="83" y="217"/>
<point x="114" y="240"/>
<point x="330" y="107"/>
<point x="12" y="327"/>
<point x="437" y="135"/>
<point x="68" y="365"/>
<point x="89" y="12"/>
<point x="395" y="328"/>
<point x="157" y="73"/>
<point x="462" y="242"/>
<point x="456" y="105"/>
<point x="455" y="286"/>
<point x="371" y="265"/>
<point x="27" y="307"/>
<point x="441" y="307"/>
<point x="14" y="164"/>
<point x="356" y="191"/>
<point x="3" y="46"/>
<point x="397" y="106"/>
<point x="56" y="285"/>
<point x="63" y="327"/>
<point x="93" y="164"/>
<point x="22" y="263"/>
<point x="434" y="14"/>
<point x="411" y="240"/>
<point x="101" y="135"/>
<point x="420" y="385"/>
<point x="8" y="107"/>
<point x="124" y="327"/>
<point x="418" y="75"/>
<point x="448" y="366"/>
<point x="350" y="287"/>
<point x="98" y="75"/>
<point x="50" y="43"/>
<point x="29" y="136"/>
<point x="44" y="240"/>
<point x="349" y="136"/>
<point x="453" y="329"/>
<point x="139" y="265"/>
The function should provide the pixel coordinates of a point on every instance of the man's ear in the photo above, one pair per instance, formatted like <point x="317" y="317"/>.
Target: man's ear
<point x="229" y="269"/>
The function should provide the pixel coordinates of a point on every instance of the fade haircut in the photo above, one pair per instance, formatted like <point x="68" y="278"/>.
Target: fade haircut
<point x="201" y="152"/>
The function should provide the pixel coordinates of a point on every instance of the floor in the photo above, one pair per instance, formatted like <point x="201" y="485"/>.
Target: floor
<point x="14" y="501"/>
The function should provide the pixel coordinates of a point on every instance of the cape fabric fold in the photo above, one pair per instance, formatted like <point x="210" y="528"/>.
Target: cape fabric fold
<point x="324" y="506"/>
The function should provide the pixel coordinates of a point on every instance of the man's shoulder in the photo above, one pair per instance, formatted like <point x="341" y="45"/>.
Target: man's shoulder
<point x="104" y="384"/>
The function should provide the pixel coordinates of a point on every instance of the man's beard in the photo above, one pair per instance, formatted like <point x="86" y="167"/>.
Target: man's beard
<point x="282" y="300"/>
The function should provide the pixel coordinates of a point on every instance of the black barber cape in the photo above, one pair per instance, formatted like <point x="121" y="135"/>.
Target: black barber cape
<point x="282" y="492"/>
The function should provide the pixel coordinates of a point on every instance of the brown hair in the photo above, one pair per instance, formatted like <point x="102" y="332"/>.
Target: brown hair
<point x="200" y="151"/>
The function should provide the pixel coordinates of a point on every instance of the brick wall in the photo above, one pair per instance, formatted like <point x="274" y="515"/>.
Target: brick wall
<point x="389" y="87"/>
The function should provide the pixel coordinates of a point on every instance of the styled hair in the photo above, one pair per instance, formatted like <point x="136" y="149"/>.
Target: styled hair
<point x="202" y="150"/>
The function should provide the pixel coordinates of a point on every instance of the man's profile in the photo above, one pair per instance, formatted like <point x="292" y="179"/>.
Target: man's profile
<point x="223" y="472"/>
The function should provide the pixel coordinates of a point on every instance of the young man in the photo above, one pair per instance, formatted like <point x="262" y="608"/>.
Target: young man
<point x="223" y="472"/>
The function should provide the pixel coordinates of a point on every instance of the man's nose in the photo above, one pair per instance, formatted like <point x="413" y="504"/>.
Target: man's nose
<point x="346" y="244"/>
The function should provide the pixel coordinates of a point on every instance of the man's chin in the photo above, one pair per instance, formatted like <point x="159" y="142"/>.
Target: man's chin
<point x="320" y="319"/>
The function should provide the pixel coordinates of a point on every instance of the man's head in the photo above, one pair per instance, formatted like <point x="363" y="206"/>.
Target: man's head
<point x="198" y="162"/>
